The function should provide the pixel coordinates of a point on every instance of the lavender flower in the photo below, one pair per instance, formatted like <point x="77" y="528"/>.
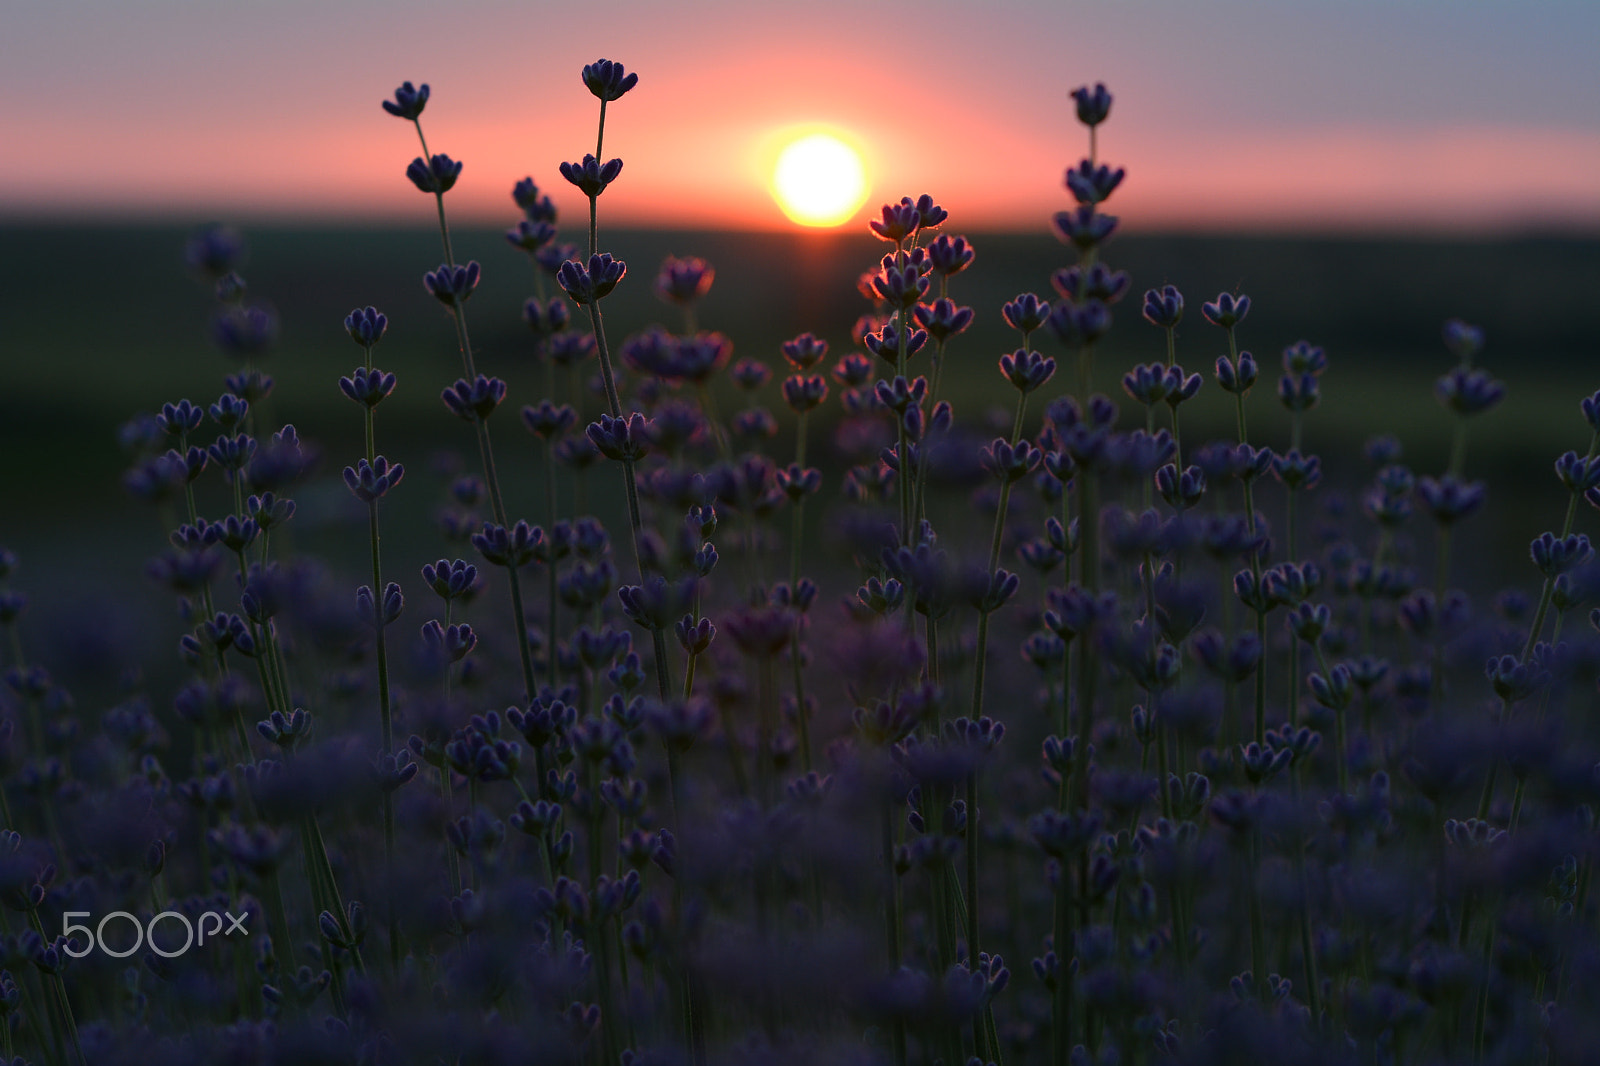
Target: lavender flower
<point x="366" y="326"/>
<point x="367" y="387"/>
<point x="590" y="176"/>
<point x="437" y="174"/>
<point x="1092" y="184"/>
<point x="1094" y="105"/>
<point x="897" y="221"/>
<point x="621" y="438"/>
<point x="1163" y="308"/>
<point x="683" y="281"/>
<point x="949" y="255"/>
<point x="1084" y="228"/>
<point x="474" y="401"/>
<point x="452" y="285"/>
<point x="607" y="80"/>
<point x="408" y="102"/>
<point x="586" y="284"/>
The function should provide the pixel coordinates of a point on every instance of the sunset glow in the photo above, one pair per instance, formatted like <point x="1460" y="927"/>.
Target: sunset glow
<point x="819" y="181"/>
<point x="1312" y="140"/>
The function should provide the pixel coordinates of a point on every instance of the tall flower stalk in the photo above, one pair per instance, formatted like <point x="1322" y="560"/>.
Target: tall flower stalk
<point x="1236" y="373"/>
<point x="452" y="284"/>
<point x="370" y="480"/>
<point x="587" y="284"/>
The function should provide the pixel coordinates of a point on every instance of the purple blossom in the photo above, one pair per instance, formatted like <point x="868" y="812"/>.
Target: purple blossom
<point x="1094" y="105"/>
<point x="408" y="102"/>
<point x="436" y="174"/>
<point x="608" y="81"/>
<point x="591" y="282"/>
<point x="590" y="176"/>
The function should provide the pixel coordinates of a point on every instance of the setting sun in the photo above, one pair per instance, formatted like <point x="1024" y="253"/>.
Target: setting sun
<point x="819" y="180"/>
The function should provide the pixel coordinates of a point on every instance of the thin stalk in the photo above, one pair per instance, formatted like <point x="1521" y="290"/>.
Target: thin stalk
<point x="319" y="852"/>
<point x="278" y="919"/>
<point x="891" y="920"/>
<point x="1481" y="1012"/>
<point x="934" y="802"/>
<point x="385" y="704"/>
<point x="1340" y="751"/>
<point x="1487" y="795"/>
<point x="1307" y="951"/>
<point x="979" y="1034"/>
<point x="1061" y="1001"/>
<point x="766" y="729"/>
<point x="795" y="539"/>
<point x="319" y="903"/>
<point x="1089" y="571"/>
<point x="451" y="862"/>
<point x="1255" y="562"/>
<point x="63" y="1004"/>
<point x="799" y="506"/>
<point x="1152" y="701"/>
<point x="994" y="561"/>
<point x="458" y="315"/>
<point x="614" y="402"/>
<point x="553" y="663"/>
<point x="599" y="143"/>
<point x="1258" y="945"/>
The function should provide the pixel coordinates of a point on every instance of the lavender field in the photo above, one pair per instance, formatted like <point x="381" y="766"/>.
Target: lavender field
<point x="582" y="644"/>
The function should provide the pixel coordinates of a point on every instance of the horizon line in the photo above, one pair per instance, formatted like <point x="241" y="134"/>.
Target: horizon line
<point x="1530" y="227"/>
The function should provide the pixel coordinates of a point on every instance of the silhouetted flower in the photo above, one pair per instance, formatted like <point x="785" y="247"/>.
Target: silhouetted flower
<point x="408" y="102"/>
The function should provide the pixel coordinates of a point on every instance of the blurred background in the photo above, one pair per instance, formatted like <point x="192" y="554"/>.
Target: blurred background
<point x="1362" y="169"/>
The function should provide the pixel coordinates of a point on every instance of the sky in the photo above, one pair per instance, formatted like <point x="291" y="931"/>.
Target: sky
<point x="1233" y="115"/>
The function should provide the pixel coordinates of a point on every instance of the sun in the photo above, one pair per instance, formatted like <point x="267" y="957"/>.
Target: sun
<point x="819" y="180"/>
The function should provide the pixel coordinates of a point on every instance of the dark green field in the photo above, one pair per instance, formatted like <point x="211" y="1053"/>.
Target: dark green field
<point x="102" y="321"/>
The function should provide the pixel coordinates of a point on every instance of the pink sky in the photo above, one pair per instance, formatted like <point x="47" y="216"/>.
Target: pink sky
<point x="1359" y="114"/>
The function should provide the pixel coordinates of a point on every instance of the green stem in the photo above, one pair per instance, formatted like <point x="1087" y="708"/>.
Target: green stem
<point x="451" y="862"/>
<point x="553" y="662"/>
<point x="891" y="919"/>
<point x="994" y="561"/>
<point x="1255" y="557"/>
<point x="1307" y="951"/>
<point x="283" y="944"/>
<point x="1258" y="945"/>
<point x="458" y="315"/>
<point x="58" y="988"/>
<point x="1481" y="1012"/>
<point x="614" y="402"/>
<point x="1088" y="667"/>
<point x="979" y="1034"/>
<point x="1061" y="1001"/>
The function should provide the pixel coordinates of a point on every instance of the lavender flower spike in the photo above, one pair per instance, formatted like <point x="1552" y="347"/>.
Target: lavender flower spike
<point x="1094" y="105"/>
<point x="1163" y="308"/>
<point x="1227" y="310"/>
<point x="606" y="79"/>
<point x="436" y="174"/>
<point x="372" y="481"/>
<point x="590" y="176"/>
<point x="586" y="284"/>
<point x="621" y="438"/>
<point x="452" y="285"/>
<point x="408" y="102"/>
<point x="366" y="325"/>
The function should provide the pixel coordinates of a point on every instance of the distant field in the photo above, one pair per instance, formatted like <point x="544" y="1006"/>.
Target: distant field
<point x="102" y="321"/>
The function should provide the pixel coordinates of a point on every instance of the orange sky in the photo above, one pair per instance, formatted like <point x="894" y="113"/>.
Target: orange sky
<point x="1361" y="113"/>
